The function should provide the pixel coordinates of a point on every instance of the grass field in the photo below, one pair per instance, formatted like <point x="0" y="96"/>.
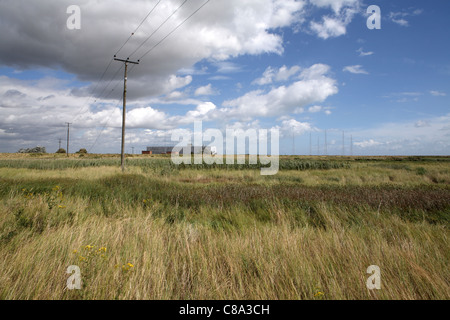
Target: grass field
<point x="224" y="232"/>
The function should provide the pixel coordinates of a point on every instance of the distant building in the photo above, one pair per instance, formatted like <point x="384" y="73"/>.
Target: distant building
<point x="158" y="150"/>
<point x="169" y="150"/>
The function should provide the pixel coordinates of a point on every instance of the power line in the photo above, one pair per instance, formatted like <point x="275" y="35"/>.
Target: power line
<point x="175" y="29"/>
<point x="110" y="115"/>
<point x="104" y="127"/>
<point x="157" y="29"/>
<point x="109" y="65"/>
<point x="134" y="32"/>
<point x="145" y="54"/>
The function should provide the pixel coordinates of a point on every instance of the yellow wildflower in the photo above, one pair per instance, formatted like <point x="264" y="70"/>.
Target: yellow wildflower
<point x="319" y="294"/>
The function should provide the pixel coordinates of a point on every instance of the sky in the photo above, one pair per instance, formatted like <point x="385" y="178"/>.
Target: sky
<point x="310" y="68"/>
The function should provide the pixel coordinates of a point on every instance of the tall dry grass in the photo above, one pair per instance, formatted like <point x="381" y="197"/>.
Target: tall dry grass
<point x="225" y="234"/>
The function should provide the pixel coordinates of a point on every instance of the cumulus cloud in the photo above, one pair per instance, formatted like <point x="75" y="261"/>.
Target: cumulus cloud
<point x="417" y="137"/>
<point x="35" y="35"/>
<point x="205" y="91"/>
<point x="292" y="126"/>
<point x="282" y="74"/>
<point x="315" y="109"/>
<point x="313" y="86"/>
<point x="336" y="5"/>
<point x="334" y="25"/>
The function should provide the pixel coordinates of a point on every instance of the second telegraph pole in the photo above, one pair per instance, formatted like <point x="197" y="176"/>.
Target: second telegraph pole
<point x="126" y="62"/>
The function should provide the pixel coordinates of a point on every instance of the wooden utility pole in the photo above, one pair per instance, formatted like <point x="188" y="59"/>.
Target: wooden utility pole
<point x="68" y="136"/>
<point x="126" y="62"/>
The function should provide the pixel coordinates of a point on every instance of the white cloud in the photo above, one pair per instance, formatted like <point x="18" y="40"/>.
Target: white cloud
<point x="334" y="25"/>
<point x="266" y="78"/>
<point x="336" y="5"/>
<point x="285" y="73"/>
<point x="205" y="91"/>
<point x="421" y="124"/>
<point x="429" y="136"/>
<point x="282" y="74"/>
<point x="314" y="86"/>
<point x="329" y="27"/>
<point x="401" y="22"/>
<point x="292" y="126"/>
<point x="367" y="143"/>
<point x="315" y="109"/>
<point x="438" y="93"/>
<point x="221" y="30"/>
<point x="400" y="17"/>
<point x="362" y="53"/>
<point x="200" y="113"/>
<point x="357" y="69"/>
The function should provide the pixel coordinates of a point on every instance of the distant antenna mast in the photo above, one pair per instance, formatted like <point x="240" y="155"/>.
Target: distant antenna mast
<point x="343" y="143"/>
<point x="318" y="145"/>
<point x="293" y="143"/>
<point x="326" y="143"/>
<point x="68" y="135"/>
<point x="351" y="145"/>
<point x="310" y="144"/>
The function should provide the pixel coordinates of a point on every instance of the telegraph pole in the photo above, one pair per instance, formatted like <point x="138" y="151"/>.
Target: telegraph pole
<point x="59" y="143"/>
<point x="68" y="135"/>
<point x="126" y="62"/>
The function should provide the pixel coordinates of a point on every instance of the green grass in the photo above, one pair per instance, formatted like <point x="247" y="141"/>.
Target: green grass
<point x="225" y="232"/>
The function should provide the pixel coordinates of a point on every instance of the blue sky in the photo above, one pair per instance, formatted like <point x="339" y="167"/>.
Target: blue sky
<point x="305" y="67"/>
